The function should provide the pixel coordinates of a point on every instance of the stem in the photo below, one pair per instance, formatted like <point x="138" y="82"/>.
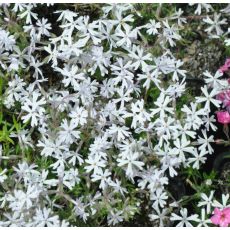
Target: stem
<point x="191" y="184"/>
<point x="226" y="131"/>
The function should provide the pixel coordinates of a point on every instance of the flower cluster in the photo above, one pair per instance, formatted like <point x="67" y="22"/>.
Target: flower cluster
<point x="94" y="121"/>
<point x="224" y="96"/>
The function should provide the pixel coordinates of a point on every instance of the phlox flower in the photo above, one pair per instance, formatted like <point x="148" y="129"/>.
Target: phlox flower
<point x="226" y="66"/>
<point x="223" y="117"/>
<point x="221" y="217"/>
<point x="224" y="97"/>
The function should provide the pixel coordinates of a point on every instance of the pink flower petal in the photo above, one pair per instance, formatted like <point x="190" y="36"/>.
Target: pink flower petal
<point x="223" y="117"/>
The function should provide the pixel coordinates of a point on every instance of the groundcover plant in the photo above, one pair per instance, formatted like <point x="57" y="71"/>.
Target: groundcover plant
<point x="114" y="114"/>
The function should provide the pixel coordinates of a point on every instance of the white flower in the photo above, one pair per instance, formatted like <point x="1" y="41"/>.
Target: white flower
<point x="6" y="40"/>
<point x="227" y="42"/>
<point x="197" y="158"/>
<point x="130" y="162"/>
<point x="224" y="204"/>
<point x="119" y="132"/>
<point x="122" y="70"/>
<point x="208" y="98"/>
<point x="209" y="122"/>
<point x="33" y="109"/>
<point x="100" y="59"/>
<point x="214" y="81"/>
<point x="120" y="20"/>
<point x="53" y="54"/>
<point x="3" y="177"/>
<point x="79" y="209"/>
<point x="71" y="178"/>
<point x="28" y="14"/>
<point x="79" y="115"/>
<point x="139" y="58"/>
<point x="67" y="135"/>
<point x="164" y="64"/>
<point x="178" y="15"/>
<point x="157" y="180"/>
<point x="115" y="217"/>
<point x="170" y="33"/>
<point x="125" y="37"/>
<point x="95" y="164"/>
<point x="215" y="24"/>
<point x="24" y="170"/>
<point x="43" y="27"/>
<point x="24" y="138"/>
<point x="117" y="187"/>
<point x="50" y="147"/>
<point x="71" y="75"/>
<point x="103" y="177"/>
<point x="152" y="27"/>
<point x="18" y="7"/>
<point x="150" y="76"/>
<point x="21" y="200"/>
<point x="184" y="218"/>
<point x="86" y="90"/>
<point x="193" y="119"/>
<point x="178" y="71"/>
<point x="200" y="6"/>
<point x="75" y="156"/>
<point x="185" y="131"/>
<point x="206" y="201"/>
<point x="204" y="221"/>
<point x="165" y="128"/>
<point x="162" y="104"/>
<point x="169" y="161"/>
<point x="66" y="14"/>
<point x="123" y="97"/>
<point x="138" y="113"/>
<point x="160" y="215"/>
<point x="205" y="142"/>
<point x="88" y="30"/>
<point x="181" y="147"/>
<point x="43" y="218"/>
<point x="159" y="198"/>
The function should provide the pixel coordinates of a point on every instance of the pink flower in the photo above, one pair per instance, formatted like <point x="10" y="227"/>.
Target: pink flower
<point x="223" y="68"/>
<point x="221" y="217"/>
<point x="226" y="66"/>
<point x="227" y="62"/>
<point x="224" y="97"/>
<point x="223" y="117"/>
